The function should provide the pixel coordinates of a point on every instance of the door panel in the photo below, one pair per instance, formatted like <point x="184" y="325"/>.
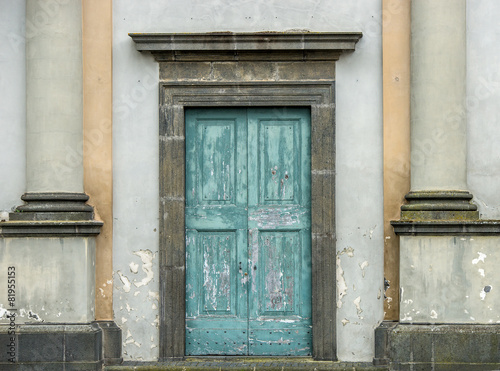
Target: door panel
<point x="279" y="231"/>
<point x="248" y="232"/>
<point x="216" y="232"/>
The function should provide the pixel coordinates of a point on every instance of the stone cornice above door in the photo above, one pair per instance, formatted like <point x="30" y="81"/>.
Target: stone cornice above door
<point x="262" y="46"/>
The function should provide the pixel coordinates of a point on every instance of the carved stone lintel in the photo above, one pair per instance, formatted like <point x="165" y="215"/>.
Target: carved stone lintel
<point x="259" y="46"/>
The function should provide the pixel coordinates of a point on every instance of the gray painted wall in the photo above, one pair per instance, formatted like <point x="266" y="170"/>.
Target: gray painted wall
<point x="359" y="156"/>
<point x="12" y="103"/>
<point x="483" y="112"/>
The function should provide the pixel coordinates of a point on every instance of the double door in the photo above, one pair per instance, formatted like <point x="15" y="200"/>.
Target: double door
<point x="248" y="243"/>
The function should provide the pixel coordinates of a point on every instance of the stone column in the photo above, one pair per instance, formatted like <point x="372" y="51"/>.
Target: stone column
<point x="50" y="241"/>
<point x="54" y="97"/>
<point x="448" y="257"/>
<point x="54" y="100"/>
<point x="438" y="117"/>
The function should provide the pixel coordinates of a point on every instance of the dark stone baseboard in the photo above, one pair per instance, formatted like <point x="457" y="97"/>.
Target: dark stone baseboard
<point x="111" y="342"/>
<point x="52" y="347"/>
<point x="438" y="347"/>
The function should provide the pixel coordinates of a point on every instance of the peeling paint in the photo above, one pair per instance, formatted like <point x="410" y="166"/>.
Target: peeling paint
<point x="277" y="217"/>
<point x="155" y="295"/>
<point x="484" y="291"/>
<point x="480" y="258"/>
<point x="357" y="303"/>
<point x="345" y="321"/>
<point x="125" y="281"/>
<point x="3" y="312"/>
<point x="134" y="267"/>
<point x="130" y="340"/>
<point x="363" y="266"/>
<point x="349" y="251"/>
<point x="434" y="314"/>
<point x="147" y="266"/>
<point x="481" y="272"/>
<point x="341" y="284"/>
<point x="406" y="317"/>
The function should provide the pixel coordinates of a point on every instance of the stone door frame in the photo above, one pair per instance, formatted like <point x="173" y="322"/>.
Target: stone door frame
<point x="243" y="70"/>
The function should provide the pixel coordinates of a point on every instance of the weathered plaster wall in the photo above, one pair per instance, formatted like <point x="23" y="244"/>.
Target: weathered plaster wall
<point x="359" y="156"/>
<point x="54" y="278"/>
<point x="450" y="279"/>
<point x="483" y="113"/>
<point x="12" y="103"/>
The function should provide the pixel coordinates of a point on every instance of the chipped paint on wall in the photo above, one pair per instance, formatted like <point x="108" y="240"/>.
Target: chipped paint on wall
<point x="363" y="266"/>
<point x="341" y="284"/>
<point x="125" y="281"/>
<point x="480" y="258"/>
<point x="133" y="267"/>
<point x="137" y="307"/>
<point x="357" y="304"/>
<point x="147" y="265"/>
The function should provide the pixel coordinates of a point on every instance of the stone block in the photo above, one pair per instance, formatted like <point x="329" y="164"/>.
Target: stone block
<point x="185" y="71"/>
<point x="439" y="347"/>
<point x="244" y="71"/>
<point x="296" y="71"/>
<point x="41" y="347"/>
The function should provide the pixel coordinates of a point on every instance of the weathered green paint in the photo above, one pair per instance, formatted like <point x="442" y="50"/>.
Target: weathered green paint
<point x="248" y="236"/>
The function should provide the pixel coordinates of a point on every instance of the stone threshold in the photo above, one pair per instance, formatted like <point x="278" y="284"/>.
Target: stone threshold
<point x="245" y="363"/>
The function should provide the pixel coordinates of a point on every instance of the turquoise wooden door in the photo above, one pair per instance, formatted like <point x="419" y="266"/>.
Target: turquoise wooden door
<point x="248" y="249"/>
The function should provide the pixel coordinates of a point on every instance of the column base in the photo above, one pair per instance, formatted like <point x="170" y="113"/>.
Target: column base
<point x="53" y="206"/>
<point x="436" y="347"/>
<point x="439" y="205"/>
<point x="111" y="342"/>
<point x="52" y="347"/>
